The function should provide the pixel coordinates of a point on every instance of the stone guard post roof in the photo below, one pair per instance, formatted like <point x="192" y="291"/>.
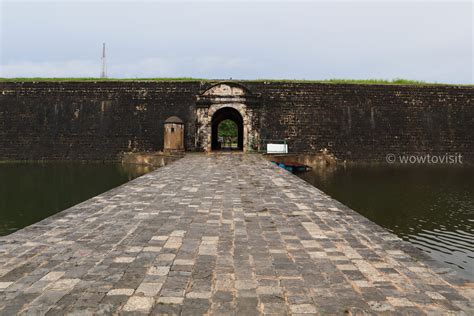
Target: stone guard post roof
<point x="174" y="120"/>
<point x="227" y="234"/>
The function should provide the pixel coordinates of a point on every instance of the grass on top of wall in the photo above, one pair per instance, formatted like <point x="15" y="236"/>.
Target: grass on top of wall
<point x="377" y="81"/>
<point x="396" y="81"/>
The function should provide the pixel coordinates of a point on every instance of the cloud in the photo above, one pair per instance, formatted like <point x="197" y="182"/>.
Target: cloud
<point x="71" y="68"/>
<point x="205" y="66"/>
<point x="234" y="1"/>
<point x="431" y="42"/>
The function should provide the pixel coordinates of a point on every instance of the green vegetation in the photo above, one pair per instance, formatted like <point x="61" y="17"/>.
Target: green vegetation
<point x="397" y="81"/>
<point x="227" y="130"/>
<point x="380" y="81"/>
<point x="372" y="81"/>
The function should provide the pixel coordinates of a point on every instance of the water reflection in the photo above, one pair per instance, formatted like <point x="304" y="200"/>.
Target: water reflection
<point x="431" y="207"/>
<point x="30" y="192"/>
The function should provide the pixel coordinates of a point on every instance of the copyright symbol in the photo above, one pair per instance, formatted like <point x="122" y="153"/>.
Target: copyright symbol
<point x="390" y="158"/>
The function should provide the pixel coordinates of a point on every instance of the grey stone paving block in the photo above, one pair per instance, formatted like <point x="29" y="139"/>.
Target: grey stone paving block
<point x="166" y="309"/>
<point x="195" y="306"/>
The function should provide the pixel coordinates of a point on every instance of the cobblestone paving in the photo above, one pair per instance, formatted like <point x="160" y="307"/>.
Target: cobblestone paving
<point x="220" y="235"/>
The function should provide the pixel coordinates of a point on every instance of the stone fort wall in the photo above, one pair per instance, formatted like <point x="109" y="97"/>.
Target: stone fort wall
<point x="101" y="120"/>
<point x="90" y="121"/>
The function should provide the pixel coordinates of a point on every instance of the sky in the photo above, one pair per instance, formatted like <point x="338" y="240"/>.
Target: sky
<point x="422" y="40"/>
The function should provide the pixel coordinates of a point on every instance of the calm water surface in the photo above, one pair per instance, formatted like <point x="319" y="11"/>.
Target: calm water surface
<point x="30" y="192"/>
<point x="431" y="207"/>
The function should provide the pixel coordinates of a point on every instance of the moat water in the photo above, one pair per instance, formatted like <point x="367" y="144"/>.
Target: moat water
<point x="30" y="192"/>
<point x="430" y="207"/>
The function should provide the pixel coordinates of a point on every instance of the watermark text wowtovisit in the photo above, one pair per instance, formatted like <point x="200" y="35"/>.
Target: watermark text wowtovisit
<point x="424" y="159"/>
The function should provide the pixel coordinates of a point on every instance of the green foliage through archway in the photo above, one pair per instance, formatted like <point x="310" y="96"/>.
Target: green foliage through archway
<point x="228" y="133"/>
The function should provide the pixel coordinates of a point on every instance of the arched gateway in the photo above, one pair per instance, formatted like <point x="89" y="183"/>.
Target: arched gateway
<point x="223" y="101"/>
<point x="227" y="113"/>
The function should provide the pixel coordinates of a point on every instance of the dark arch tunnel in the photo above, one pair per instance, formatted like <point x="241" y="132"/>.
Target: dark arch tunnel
<point x="227" y="113"/>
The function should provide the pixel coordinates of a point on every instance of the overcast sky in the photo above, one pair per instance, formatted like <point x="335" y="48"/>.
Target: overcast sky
<point x="425" y="40"/>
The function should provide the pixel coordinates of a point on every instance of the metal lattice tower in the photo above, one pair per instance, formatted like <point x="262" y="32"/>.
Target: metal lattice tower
<point x="103" y="74"/>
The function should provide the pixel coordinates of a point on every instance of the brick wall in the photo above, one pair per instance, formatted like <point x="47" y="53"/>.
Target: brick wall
<point x="98" y="121"/>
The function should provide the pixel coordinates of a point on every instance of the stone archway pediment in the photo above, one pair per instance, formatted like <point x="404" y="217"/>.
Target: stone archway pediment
<point x="227" y="89"/>
<point x="226" y="92"/>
